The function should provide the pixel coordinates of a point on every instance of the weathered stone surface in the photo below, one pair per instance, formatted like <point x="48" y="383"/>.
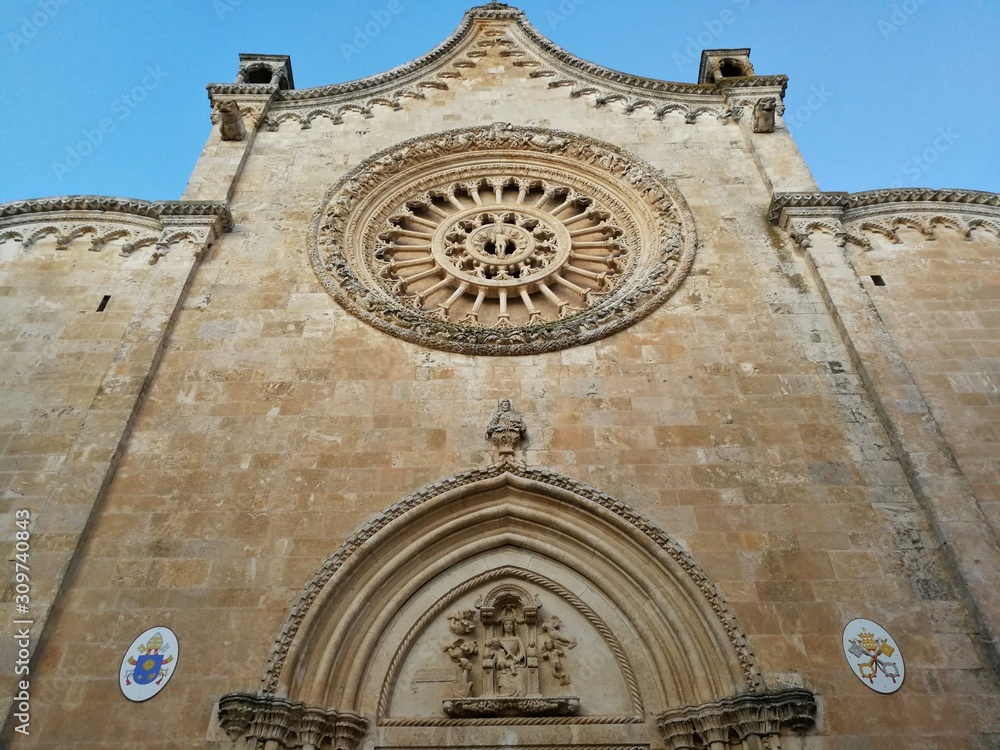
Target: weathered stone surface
<point x="702" y="498"/>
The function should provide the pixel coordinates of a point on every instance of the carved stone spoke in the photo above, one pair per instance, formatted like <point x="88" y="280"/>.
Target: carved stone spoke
<point x="496" y="243"/>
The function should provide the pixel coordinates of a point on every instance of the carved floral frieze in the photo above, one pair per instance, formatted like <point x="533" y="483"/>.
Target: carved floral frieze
<point x="97" y="222"/>
<point x="753" y="719"/>
<point x="856" y="217"/>
<point x="292" y="725"/>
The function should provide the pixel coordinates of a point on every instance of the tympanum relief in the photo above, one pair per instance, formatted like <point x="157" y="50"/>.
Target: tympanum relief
<point x="509" y="650"/>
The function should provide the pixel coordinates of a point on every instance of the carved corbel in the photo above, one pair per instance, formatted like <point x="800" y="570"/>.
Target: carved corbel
<point x="734" y="112"/>
<point x="239" y="111"/>
<point x="800" y="221"/>
<point x="201" y="231"/>
<point x="230" y="118"/>
<point x="757" y="719"/>
<point x="801" y="231"/>
<point x="295" y="726"/>
<point x="764" y="115"/>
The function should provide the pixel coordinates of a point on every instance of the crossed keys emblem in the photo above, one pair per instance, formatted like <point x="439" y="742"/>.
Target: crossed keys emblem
<point x="871" y="648"/>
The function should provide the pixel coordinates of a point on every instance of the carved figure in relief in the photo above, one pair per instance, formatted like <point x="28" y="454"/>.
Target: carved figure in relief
<point x="509" y="659"/>
<point x="554" y="647"/>
<point x="462" y="622"/>
<point x="461" y="651"/>
<point x="763" y="115"/>
<point x="231" y="126"/>
<point x="505" y="429"/>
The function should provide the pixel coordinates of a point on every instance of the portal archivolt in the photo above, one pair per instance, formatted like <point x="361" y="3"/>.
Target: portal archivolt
<point x="504" y="595"/>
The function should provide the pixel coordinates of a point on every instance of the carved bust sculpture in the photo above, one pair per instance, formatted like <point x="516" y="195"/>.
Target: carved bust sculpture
<point x="506" y="428"/>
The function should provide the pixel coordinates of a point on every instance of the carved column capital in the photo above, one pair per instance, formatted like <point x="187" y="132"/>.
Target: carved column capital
<point x="800" y="221"/>
<point x="755" y="715"/>
<point x="196" y="224"/>
<point x="295" y="726"/>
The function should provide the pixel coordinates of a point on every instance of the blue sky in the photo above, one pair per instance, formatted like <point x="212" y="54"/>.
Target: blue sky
<point x="882" y="93"/>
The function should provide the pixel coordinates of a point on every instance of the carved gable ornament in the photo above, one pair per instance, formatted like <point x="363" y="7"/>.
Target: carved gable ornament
<point x="502" y="240"/>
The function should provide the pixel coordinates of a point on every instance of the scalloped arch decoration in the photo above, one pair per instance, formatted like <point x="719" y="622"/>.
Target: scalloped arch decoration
<point x="683" y="641"/>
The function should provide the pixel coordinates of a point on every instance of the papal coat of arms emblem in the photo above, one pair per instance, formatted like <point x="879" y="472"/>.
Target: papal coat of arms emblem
<point x="148" y="664"/>
<point x="873" y="655"/>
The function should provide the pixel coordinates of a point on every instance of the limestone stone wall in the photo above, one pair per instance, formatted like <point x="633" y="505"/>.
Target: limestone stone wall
<point x="67" y="312"/>
<point x="733" y="417"/>
<point x="941" y="302"/>
<point x="90" y="288"/>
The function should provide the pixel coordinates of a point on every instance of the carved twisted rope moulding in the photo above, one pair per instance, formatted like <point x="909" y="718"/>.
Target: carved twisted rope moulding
<point x="735" y="634"/>
<point x="756" y="716"/>
<point x="502" y="240"/>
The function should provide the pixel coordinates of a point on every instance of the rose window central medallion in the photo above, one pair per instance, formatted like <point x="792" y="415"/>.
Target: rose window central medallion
<point x="502" y="240"/>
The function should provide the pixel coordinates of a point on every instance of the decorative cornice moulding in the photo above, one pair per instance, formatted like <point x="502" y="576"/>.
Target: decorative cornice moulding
<point x="102" y="203"/>
<point x="129" y="223"/>
<point x="759" y="717"/>
<point x="953" y="196"/>
<point x="489" y="26"/>
<point x="851" y="216"/>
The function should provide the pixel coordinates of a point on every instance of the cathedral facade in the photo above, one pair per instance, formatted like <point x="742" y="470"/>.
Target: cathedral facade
<point x="502" y="400"/>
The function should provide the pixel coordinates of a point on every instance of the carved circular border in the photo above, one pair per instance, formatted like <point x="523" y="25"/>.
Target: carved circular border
<point x="369" y="192"/>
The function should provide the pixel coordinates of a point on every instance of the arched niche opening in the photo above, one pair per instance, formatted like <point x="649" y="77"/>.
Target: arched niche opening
<point x="499" y="607"/>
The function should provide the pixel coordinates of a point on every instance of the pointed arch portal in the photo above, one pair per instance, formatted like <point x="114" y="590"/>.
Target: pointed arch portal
<point x="510" y="597"/>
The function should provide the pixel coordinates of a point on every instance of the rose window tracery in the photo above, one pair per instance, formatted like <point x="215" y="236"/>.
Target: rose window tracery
<point x="502" y="240"/>
<point x="500" y="251"/>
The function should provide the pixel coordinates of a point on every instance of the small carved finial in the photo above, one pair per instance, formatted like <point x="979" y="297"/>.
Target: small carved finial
<point x="505" y="430"/>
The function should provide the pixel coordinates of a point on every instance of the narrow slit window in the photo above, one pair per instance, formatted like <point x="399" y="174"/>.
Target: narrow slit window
<point x="104" y="303"/>
<point x="878" y="281"/>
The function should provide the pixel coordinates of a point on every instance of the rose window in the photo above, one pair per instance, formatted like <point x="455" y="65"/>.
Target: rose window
<point x="502" y="240"/>
<point x="500" y="251"/>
